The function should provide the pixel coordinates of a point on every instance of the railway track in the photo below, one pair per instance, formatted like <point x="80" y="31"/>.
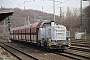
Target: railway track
<point x="81" y="45"/>
<point x="18" y="53"/>
<point x="80" y="56"/>
<point x="81" y="41"/>
<point x="71" y="56"/>
<point x="44" y="53"/>
<point x="77" y="46"/>
<point x="66" y="55"/>
<point x="80" y="49"/>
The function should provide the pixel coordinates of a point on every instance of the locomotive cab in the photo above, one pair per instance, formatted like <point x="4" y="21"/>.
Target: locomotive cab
<point x="53" y="35"/>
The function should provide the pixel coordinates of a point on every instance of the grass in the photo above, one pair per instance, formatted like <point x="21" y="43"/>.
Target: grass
<point x="1" y="58"/>
<point x="5" y="53"/>
<point x="88" y="36"/>
<point x="88" y="54"/>
<point x="10" y="59"/>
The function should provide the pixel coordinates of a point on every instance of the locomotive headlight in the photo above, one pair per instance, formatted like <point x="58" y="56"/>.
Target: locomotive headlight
<point x="68" y="39"/>
<point x="50" y="43"/>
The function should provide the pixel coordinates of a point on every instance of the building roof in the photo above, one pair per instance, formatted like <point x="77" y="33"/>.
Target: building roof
<point x="5" y="13"/>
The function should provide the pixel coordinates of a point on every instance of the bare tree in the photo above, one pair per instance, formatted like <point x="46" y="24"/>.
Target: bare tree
<point x="87" y="18"/>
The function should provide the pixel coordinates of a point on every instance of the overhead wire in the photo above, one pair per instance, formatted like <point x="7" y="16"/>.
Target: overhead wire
<point x="21" y="3"/>
<point x="29" y="1"/>
<point x="39" y="5"/>
<point x="56" y="5"/>
<point x="11" y="3"/>
<point x="24" y="3"/>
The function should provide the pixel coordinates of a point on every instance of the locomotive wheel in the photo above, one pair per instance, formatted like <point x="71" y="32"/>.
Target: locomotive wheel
<point x="45" y="44"/>
<point x="39" y="44"/>
<point x="61" y="50"/>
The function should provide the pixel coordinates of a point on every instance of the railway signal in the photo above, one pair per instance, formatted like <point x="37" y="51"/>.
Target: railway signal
<point x="9" y="23"/>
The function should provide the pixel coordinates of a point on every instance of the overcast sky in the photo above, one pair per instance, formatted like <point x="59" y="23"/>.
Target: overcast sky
<point x="47" y="5"/>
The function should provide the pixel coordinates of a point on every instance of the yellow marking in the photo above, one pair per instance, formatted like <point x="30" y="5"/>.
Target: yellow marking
<point x="69" y="44"/>
<point x="49" y="44"/>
